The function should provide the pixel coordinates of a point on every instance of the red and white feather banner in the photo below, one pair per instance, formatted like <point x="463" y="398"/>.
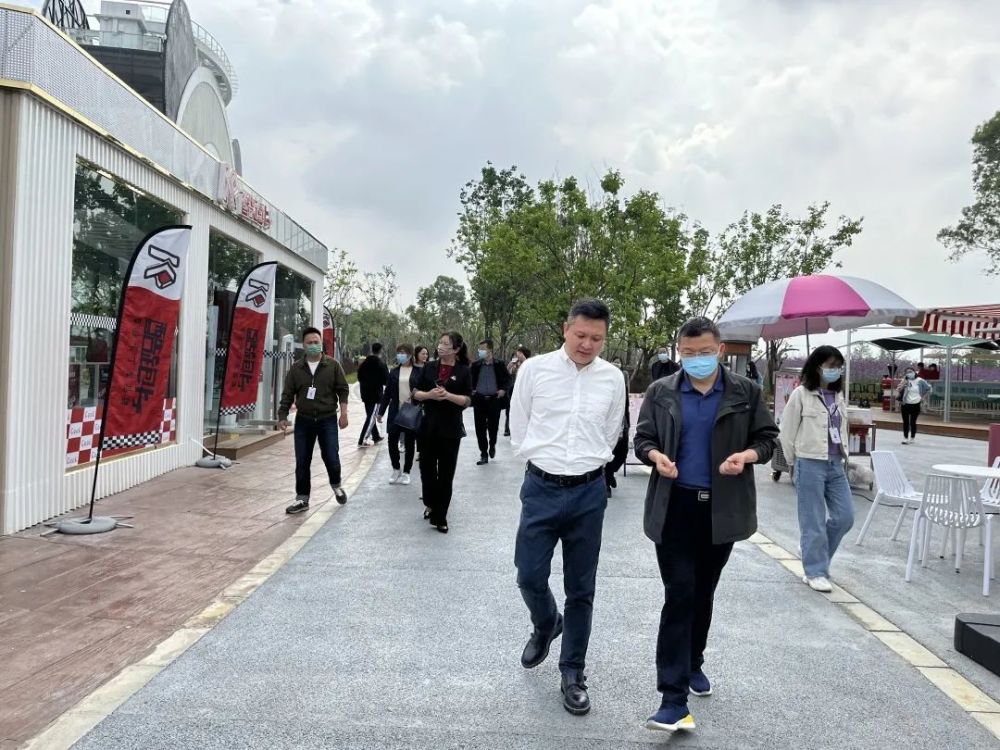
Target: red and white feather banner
<point x="144" y="341"/>
<point x="247" y="339"/>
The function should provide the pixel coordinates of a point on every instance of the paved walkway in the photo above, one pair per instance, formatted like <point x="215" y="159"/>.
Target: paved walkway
<point x="74" y="610"/>
<point x="382" y="633"/>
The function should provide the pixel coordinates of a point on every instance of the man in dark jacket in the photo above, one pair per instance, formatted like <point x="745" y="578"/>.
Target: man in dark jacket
<point x="663" y="366"/>
<point x="373" y="375"/>
<point x="317" y="386"/>
<point x="701" y="430"/>
<point x="490" y="384"/>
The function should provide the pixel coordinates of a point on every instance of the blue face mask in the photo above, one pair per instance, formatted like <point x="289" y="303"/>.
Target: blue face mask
<point x="700" y="367"/>
<point x="663" y="356"/>
<point x="482" y="353"/>
<point x="402" y="358"/>
<point x="831" y="374"/>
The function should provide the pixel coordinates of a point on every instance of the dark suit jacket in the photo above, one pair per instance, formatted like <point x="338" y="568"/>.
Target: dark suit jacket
<point x="443" y="418"/>
<point x="372" y="377"/>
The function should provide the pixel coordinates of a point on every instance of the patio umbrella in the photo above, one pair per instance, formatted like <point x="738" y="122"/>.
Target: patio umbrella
<point x="812" y="304"/>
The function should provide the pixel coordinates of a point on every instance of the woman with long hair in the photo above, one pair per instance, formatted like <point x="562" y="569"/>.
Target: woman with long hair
<point x="445" y="389"/>
<point x="814" y="434"/>
<point x="402" y="379"/>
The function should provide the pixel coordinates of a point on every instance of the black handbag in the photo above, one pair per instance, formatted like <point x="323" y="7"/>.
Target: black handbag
<point x="410" y="416"/>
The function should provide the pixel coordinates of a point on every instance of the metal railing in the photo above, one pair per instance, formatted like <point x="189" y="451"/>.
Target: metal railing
<point x="211" y="46"/>
<point x="117" y="39"/>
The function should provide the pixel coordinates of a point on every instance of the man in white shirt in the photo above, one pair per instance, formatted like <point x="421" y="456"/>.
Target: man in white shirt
<point x="565" y="418"/>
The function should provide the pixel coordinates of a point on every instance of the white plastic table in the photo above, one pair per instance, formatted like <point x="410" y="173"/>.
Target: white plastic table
<point x="963" y="470"/>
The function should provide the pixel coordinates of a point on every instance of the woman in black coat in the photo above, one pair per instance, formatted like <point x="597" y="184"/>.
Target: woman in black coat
<point x="402" y="379"/>
<point x="445" y="390"/>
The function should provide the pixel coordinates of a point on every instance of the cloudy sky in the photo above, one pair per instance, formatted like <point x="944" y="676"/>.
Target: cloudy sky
<point x="363" y="118"/>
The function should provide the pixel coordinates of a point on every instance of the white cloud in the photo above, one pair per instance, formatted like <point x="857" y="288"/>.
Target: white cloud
<point x="363" y="118"/>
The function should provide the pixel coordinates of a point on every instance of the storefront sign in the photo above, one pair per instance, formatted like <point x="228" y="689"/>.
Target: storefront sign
<point x="235" y="196"/>
<point x="247" y="338"/>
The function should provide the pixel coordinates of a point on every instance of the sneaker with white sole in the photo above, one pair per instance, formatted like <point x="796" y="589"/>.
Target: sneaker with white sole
<point x="396" y="474"/>
<point x="699" y="684"/>
<point x="818" y="583"/>
<point x="670" y="719"/>
<point x="405" y="479"/>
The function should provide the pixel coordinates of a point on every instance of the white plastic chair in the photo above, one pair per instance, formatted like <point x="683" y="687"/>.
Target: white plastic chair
<point x="991" y="491"/>
<point x="954" y="504"/>
<point x="892" y="483"/>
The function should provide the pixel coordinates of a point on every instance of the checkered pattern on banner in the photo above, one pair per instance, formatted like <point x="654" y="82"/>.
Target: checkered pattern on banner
<point x="83" y="429"/>
<point x="233" y="410"/>
<point x="279" y="355"/>
<point x="93" y="321"/>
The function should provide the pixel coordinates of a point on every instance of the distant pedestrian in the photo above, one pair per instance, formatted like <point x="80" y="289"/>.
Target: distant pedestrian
<point x="663" y="366"/>
<point x="566" y="416"/>
<point x="317" y="386"/>
<point x="402" y="379"/>
<point x="520" y="355"/>
<point x="912" y="392"/>
<point x="490" y="383"/>
<point x="420" y="357"/>
<point x="814" y="434"/>
<point x="445" y="390"/>
<point x="373" y="375"/>
<point x="701" y="430"/>
<point x="620" y="453"/>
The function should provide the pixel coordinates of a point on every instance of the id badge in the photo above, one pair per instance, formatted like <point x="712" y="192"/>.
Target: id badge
<point x="835" y="436"/>
<point x="311" y="393"/>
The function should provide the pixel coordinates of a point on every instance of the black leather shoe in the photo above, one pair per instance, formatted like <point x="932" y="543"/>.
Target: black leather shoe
<point x="493" y="451"/>
<point x="537" y="647"/>
<point x="574" y="690"/>
<point x="483" y="460"/>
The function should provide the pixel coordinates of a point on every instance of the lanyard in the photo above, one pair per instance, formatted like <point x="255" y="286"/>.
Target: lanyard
<point x="832" y="409"/>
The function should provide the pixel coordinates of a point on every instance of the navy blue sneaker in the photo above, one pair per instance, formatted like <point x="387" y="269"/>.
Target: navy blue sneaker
<point x="670" y="719"/>
<point x="699" y="684"/>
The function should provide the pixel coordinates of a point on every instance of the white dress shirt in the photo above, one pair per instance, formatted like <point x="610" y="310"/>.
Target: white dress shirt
<point x="563" y="419"/>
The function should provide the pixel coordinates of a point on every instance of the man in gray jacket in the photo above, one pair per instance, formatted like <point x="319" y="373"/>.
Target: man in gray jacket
<point x="702" y="430"/>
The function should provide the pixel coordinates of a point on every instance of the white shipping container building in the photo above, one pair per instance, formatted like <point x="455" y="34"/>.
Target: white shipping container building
<point x="88" y="166"/>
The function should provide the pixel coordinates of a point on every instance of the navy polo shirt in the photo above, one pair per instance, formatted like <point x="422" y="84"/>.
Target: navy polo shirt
<point x="694" y="456"/>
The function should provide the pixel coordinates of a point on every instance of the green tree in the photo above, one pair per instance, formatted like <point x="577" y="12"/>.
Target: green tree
<point x="443" y="306"/>
<point x="485" y="247"/>
<point x="979" y="227"/>
<point x="759" y="248"/>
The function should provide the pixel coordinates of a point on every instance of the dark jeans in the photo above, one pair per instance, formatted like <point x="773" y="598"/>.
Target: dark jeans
<point x="690" y="566"/>
<point x="438" y="459"/>
<point x="486" y="411"/>
<point x="506" y="419"/>
<point x="409" y="441"/>
<point x="574" y="516"/>
<point x="370" y="406"/>
<point x="307" y="432"/>
<point x="910" y="413"/>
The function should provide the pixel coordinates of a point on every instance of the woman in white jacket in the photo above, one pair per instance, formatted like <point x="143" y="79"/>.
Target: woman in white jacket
<point x="814" y="439"/>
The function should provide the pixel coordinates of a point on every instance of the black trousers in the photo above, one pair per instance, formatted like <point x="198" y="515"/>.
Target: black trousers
<point x="910" y="413"/>
<point x="370" y="407"/>
<point x="438" y="459"/>
<point x="690" y="567"/>
<point x="617" y="459"/>
<point x="486" y="410"/>
<point x="409" y="443"/>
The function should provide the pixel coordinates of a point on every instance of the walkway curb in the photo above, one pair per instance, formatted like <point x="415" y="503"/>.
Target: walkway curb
<point x="963" y="693"/>
<point x="69" y="728"/>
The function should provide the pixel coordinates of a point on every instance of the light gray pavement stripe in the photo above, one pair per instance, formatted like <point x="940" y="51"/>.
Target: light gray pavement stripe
<point x="382" y="633"/>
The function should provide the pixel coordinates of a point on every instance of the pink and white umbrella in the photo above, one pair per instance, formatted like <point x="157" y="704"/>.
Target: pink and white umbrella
<point x="812" y="304"/>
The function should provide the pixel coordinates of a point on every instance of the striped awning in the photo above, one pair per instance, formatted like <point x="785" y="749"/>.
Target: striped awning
<point x="974" y="321"/>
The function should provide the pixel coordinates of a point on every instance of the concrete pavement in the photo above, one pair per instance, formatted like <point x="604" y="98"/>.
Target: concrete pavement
<point x="382" y="633"/>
